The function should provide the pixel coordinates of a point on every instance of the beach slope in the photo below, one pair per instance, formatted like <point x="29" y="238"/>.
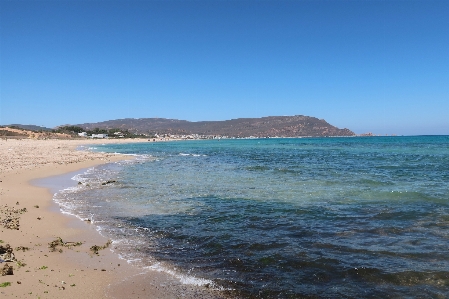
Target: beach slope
<point x="51" y="256"/>
<point x="47" y="254"/>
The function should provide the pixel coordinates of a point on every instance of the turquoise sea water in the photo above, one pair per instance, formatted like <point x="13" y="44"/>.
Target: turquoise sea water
<point x="281" y="218"/>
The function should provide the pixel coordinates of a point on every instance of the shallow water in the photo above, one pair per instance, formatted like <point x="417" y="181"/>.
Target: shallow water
<point x="281" y="218"/>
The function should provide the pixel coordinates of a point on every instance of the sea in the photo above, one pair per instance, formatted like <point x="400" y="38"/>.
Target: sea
<point x="341" y="217"/>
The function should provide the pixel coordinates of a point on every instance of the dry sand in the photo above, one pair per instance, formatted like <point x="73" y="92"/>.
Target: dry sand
<point x="68" y="271"/>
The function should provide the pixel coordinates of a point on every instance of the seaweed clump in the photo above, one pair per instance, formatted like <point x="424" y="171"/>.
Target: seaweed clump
<point x="97" y="248"/>
<point x="11" y="217"/>
<point x="7" y="270"/>
<point x="6" y="253"/>
<point x="53" y="245"/>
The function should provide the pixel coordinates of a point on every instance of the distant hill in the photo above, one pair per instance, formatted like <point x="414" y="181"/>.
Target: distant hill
<point x="271" y="126"/>
<point x="29" y="127"/>
<point x="19" y="133"/>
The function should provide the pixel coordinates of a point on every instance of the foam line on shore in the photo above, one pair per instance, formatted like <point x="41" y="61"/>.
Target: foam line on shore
<point x="67" y="272"/>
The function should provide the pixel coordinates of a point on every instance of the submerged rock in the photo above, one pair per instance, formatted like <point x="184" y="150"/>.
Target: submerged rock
<point x="108" y="182"/>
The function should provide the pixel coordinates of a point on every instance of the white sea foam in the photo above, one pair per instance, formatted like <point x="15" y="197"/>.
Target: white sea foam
<point x="192" y="155"/>
<point x="92" y="177"/>
<point x="184" y="279"/>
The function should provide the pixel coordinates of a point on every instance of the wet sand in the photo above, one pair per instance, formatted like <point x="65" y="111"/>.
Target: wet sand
<point x="70" y="269"/>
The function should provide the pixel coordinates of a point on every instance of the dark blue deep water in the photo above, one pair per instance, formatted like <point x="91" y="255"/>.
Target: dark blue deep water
<point x="281" y="218"/>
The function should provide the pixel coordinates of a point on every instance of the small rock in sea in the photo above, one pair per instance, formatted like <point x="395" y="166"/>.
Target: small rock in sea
<point x="39" y="218"/>
<point x="79" y="183"/>
<point x="108" y="182"/>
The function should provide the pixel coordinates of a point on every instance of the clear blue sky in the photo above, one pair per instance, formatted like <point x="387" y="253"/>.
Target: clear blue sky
<point x="370" y="66"/>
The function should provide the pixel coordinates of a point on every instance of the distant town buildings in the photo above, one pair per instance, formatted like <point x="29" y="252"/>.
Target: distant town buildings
<point x="99" y="136"/>
<point x="119" y="134"/>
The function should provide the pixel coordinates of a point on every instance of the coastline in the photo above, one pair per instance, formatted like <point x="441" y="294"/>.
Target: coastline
<point x="76" y="271"/>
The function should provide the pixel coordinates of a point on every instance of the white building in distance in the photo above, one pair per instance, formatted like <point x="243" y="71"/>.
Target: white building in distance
<point x="99" y="136"/>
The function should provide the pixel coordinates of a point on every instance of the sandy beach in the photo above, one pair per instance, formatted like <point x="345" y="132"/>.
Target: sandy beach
<point x="51" y="252"/>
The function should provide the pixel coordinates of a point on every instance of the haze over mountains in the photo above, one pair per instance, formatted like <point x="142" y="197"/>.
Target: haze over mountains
<point x="270" y="126"/>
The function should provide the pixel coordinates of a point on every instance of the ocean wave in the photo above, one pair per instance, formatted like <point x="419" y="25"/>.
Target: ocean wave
<point x="192" y="155"/>
<point x="184" y="279"/>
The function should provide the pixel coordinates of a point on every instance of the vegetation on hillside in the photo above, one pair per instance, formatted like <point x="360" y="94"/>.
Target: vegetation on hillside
<point x="11" y="133"/>
<point x="32" y="128"/>
<point x="112" y="133"/>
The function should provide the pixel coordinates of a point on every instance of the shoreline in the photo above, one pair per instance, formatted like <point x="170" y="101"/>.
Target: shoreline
<point x="75" y="271"/>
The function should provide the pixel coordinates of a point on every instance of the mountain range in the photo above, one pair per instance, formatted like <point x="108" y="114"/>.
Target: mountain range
<point x="270" y="126"/>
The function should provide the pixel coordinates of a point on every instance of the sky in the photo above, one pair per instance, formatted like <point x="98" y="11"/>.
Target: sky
<point x="369" y="66"/>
